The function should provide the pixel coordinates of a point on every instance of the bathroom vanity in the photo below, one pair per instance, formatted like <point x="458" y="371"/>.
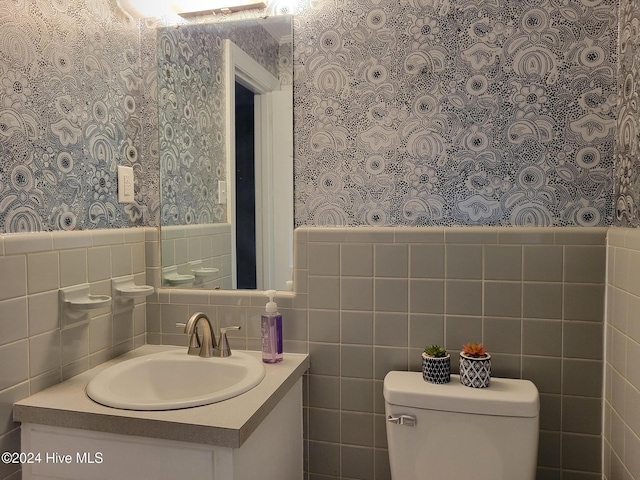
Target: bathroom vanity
<point x="255" y="435"/>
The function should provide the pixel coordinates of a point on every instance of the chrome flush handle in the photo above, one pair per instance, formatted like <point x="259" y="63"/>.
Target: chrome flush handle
<point x="407" y="420"/>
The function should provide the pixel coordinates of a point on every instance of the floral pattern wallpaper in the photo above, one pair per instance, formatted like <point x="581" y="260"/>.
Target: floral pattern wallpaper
<point x="465" y="112"/>
<point x="72" y="108"/>
<point x="191" y="104"/>
<point x="627" y="160"/>
<point x="431" y="112"/>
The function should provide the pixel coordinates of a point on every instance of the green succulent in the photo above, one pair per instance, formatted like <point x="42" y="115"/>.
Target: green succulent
<point x="435" y="351"/>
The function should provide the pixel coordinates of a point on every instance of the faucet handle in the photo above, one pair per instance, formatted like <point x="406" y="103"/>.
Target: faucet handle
<point x="225" y="350"/>
<point x="194" y="340"/>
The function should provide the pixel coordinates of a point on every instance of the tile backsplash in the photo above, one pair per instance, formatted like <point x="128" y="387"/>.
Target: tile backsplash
<point x="186" y="247"/>
<point x="35" y="352"/>
<point x="622" y="371"/>
<point x="369" y="299"/>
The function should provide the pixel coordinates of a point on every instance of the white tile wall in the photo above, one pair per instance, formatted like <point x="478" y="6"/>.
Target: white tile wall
<point x="367" y="300"/>
<point x="34" y="352"/>
<point x="622" y="370"/>
<point x="354" y="343"/>
<point x="209" y="244"/>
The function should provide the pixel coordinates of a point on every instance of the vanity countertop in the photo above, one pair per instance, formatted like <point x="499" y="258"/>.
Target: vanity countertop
<point x="227" y="424"/>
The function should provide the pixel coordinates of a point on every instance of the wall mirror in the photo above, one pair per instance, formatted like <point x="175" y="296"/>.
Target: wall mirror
<point x="225" y="103"/>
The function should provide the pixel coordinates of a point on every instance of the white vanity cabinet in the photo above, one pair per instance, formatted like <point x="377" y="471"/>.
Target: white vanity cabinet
<point x="255" y="435"/>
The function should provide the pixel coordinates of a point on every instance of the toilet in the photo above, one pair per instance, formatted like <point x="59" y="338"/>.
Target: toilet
<point x="453" y="432"/>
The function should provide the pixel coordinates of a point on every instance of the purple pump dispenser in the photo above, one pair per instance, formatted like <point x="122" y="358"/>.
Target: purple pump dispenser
<point x="271" y="322"/>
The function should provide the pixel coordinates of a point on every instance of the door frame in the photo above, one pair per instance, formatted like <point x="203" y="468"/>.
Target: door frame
<point x="241" y="68"/>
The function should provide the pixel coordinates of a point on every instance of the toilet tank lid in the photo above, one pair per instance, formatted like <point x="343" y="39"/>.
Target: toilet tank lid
<point x="504" y="397"/>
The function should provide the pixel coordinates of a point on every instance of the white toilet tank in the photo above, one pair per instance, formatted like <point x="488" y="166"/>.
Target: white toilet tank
<point x="453" y="432"/>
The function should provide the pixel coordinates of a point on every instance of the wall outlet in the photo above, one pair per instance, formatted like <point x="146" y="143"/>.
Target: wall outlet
<point x="125" y="184"/>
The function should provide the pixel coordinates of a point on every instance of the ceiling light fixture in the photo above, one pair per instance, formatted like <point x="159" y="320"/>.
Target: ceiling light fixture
<point x="138" y="9"/>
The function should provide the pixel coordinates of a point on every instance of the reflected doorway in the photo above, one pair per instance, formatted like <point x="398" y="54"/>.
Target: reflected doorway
<point x="269" y="175"/>
<point x="245" y="188"/>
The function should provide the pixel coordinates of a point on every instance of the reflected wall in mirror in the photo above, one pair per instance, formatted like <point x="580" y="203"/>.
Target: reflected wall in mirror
<point x="226" y="154"/>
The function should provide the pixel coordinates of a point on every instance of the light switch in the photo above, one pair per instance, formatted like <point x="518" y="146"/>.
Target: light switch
<point x="125" y="184"/>
<point x="222" y="191"/>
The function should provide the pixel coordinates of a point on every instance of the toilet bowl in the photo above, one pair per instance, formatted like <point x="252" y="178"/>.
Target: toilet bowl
<point x="452" y="432"/>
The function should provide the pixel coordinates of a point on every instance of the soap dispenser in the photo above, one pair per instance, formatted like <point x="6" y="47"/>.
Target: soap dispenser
<point x="271" y="322"/>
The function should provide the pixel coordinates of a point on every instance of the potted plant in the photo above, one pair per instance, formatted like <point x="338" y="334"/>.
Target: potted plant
<point x="436" y="365"/>
<point x="475" y="365"/>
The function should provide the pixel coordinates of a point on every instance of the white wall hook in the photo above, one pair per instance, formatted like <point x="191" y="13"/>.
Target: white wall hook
<point x="76" y="302"/>
<point x="202" y="273"/>
<point x="172" y="278"/>
<point x="124" y="292"/>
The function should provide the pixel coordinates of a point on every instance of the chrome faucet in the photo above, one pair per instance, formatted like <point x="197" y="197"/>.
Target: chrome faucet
<point x="208" y="346"/>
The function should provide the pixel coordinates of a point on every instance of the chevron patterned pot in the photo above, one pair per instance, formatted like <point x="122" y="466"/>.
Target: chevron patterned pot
<point x="475" y="372"/>
<point x="436" y="369"/>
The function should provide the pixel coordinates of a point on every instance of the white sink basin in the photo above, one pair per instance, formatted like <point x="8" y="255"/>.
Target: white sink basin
<point x="172" y="380"/>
